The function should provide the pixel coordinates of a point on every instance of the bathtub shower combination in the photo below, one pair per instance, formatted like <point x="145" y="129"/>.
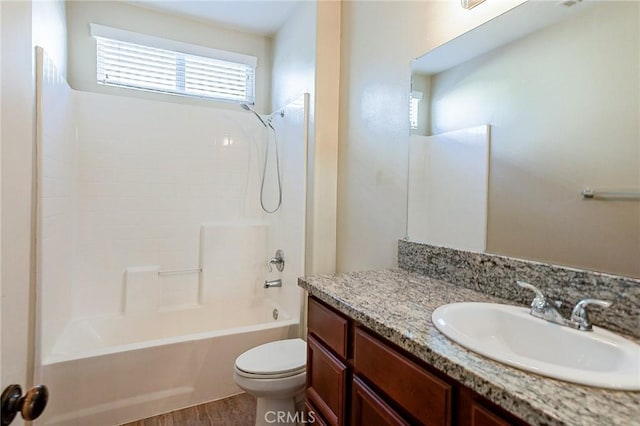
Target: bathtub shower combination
<point x="154" y="235"/>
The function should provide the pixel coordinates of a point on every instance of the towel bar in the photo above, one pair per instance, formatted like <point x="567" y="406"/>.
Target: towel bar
<point x="619" y="195"/>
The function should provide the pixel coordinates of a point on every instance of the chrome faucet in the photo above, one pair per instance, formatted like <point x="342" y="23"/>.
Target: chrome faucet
<point x="541" y="307"/>
<point x="273" y="283"/>
<point x="579" y="316"/>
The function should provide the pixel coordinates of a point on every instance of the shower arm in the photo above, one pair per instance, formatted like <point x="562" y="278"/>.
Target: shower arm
<point x="270" y="117"/>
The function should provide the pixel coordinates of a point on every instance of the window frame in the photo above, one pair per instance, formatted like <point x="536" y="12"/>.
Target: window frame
<point x="184" y="53"/>
<point x="414" y="109"/>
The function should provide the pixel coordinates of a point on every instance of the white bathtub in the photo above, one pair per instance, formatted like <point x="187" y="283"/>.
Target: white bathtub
<point x="106" y="371"/>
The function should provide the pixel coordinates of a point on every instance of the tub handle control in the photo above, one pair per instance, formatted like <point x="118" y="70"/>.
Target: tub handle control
<point x="277" y="260"/>
<point x="30" y="406"/>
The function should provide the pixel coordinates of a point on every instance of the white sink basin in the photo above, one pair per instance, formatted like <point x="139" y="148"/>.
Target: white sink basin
<point x="510" y="335"/>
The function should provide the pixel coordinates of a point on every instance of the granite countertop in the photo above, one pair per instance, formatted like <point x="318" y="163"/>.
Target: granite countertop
<point x="398" y="305"/>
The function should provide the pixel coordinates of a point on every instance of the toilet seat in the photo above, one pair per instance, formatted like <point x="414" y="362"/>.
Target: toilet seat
<point x="269" y="376"/>
<point x="283" y="358"/>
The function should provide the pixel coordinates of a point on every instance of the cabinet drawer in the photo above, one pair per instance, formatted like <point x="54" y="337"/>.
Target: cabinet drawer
<point x="481" y="416"/>
<point x="329" y="326"/>
<point x="369" y="409"/>
<point x="326" y="382"/>
<point x="424" y="396"/>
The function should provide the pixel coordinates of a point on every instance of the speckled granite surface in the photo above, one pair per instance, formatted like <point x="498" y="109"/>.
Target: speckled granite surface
<point x="496" y="275"/>
<point x="398" y="305"/>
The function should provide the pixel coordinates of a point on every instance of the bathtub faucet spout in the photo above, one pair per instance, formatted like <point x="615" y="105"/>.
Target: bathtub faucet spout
<point x="273" y="283"/>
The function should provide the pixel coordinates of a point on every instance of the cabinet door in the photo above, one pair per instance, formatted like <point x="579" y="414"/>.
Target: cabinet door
<point x="418" y="392"/>
<point x="481" y="416"/>
<point x="326" y="382"/>
<point x="312" y="415"/>
<point x="474" y="410"/>
<point x="370" y="409"/>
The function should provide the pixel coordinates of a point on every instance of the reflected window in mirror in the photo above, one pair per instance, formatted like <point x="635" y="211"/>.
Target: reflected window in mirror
<point x="419" y="107"/>
<point x="414" y="108"/>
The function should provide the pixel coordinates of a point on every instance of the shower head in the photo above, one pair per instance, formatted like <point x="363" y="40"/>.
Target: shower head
<point x="248" y="108"/>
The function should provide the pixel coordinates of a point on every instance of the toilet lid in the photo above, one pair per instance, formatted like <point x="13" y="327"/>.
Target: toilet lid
<point x="282" y="356"/>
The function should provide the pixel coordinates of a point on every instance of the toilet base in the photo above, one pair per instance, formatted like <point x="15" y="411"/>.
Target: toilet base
<point x="281" y="412"/>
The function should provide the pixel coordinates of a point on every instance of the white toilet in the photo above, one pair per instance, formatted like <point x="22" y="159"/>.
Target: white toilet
<point x="275" y="374"/>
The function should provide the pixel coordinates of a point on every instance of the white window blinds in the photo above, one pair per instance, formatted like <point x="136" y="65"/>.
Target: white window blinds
<point x="414" y="104"/>
<point x="137" y="66"/>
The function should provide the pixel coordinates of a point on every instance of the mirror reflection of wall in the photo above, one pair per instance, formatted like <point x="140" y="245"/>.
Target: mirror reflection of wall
<point x="563" y="103"/>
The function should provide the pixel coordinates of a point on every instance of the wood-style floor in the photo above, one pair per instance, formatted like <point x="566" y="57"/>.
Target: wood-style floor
<point x="238" y="410"/>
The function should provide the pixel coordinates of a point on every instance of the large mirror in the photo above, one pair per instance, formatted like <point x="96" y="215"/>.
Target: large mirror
<point x="513" y="120"/>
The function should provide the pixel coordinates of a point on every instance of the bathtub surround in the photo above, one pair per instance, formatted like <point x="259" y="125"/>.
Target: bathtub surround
<point x="240" y="259"/>
<point x="398" y="304"/>
<point x="57" y="160"/>
<point x="152" y="246"/>
<point x="150" y="175"/>
<point x="496" y="275"/>
<point x="448" y="188"/>
<point x="140" y="289"/>
<point x="177" y="186"/>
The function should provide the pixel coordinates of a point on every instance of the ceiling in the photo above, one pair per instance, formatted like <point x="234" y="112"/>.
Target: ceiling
<point x="263" y="17"/>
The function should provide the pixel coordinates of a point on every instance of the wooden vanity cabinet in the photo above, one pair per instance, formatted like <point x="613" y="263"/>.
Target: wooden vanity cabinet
<point x="355" y="377"/>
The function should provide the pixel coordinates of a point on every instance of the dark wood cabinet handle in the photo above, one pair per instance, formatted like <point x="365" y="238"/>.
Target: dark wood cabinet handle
<point x="30" y="406"/>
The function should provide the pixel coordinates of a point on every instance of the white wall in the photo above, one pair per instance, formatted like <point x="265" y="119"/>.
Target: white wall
<point x="323" y="151"/>
<point x="82" y="52"/>
<point x="294" y="56"/>
<point x="307" y="58"/>
<point x="564" y="106"/>
<point x="50" y="30"/>
<point x="379" y="39"/>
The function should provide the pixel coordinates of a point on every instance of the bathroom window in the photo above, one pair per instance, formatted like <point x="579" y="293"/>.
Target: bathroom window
<point x="136" y="61"/>
<point x="414" y="103"/>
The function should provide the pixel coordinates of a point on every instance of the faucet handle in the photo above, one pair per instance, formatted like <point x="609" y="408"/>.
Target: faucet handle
<point x="277" y="260"/>
<point x="540" y="300"/>
<point x="579" y="315"/>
